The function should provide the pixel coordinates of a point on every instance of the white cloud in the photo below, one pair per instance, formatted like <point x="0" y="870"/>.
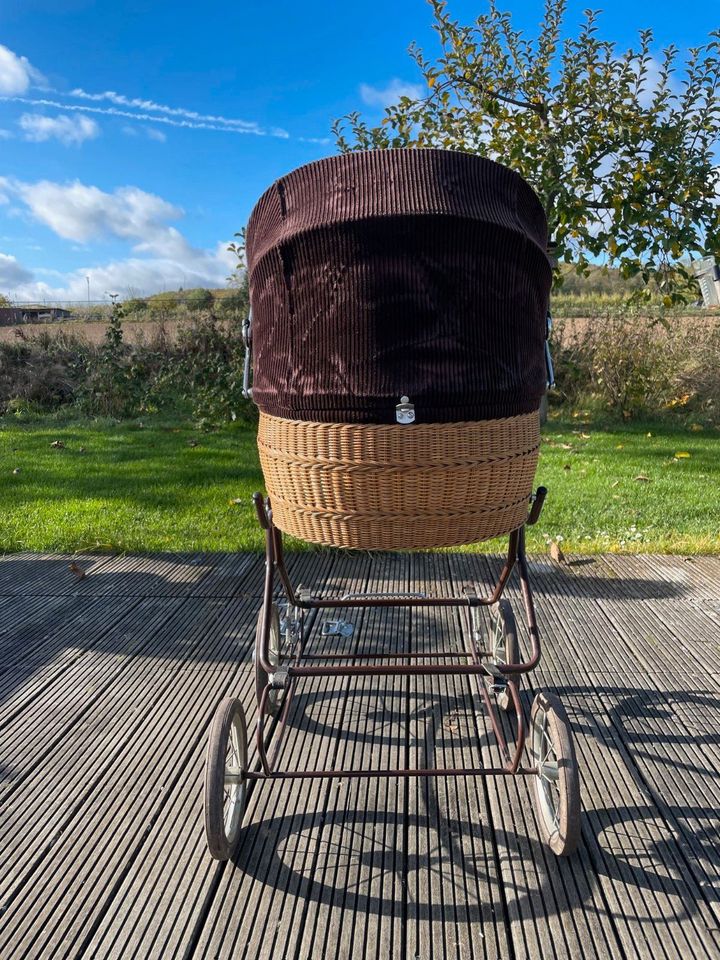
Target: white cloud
<point x="76" y="211"/>
<point x="149" y="106"/>
<point x="79" y="212"/>
<point x="6" y="134"/>
<point x="150" y="132"/>
<point x="254" y="129"/>
<point x="168" y="242"/>
<point x="12" y="273"/>
<point x="17" y="74"/>
<point x="386" y="96"/>
<point x="133" y="276"/>
<point x="68" y="130"/>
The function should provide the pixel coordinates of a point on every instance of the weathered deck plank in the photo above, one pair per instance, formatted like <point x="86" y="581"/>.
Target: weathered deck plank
<point x="107" y="688"/>
<point x="112" y="776"/>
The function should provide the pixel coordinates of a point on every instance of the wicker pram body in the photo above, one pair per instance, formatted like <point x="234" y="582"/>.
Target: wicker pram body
<point x="399" y="302"/>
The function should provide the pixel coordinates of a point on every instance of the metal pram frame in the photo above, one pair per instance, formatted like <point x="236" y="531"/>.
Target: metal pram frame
<point x="282" y="658"/>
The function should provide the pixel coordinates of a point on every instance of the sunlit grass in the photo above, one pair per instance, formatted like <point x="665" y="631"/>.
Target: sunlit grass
<point x="163" y="485"/>
<point x="640" y="487"/>
<point x="159" y="486"/>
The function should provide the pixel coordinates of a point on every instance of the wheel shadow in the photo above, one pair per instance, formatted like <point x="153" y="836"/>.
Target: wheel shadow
<point x="669" y="847"/>
<point x="346" y="864"/>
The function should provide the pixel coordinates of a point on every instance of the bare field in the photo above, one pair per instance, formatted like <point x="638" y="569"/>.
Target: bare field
<point x="135" y="330"/>
<point x="92" y="331"/>
<point x="568" y="329"/>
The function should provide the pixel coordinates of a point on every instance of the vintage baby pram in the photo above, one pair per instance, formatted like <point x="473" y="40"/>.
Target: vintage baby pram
<point x="399" y="303"/>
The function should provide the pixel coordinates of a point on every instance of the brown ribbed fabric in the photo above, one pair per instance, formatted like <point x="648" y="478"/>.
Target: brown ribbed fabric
<point x="398" y="272"/>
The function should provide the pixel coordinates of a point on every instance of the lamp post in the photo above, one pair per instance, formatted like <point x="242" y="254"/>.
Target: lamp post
<point x="88" y="283"/>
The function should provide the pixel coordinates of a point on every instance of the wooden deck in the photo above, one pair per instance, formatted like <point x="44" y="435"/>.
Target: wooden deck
<point x="108" y="685"/>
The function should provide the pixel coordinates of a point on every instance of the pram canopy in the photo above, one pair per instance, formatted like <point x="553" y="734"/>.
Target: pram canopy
<point x="391" y="273"/>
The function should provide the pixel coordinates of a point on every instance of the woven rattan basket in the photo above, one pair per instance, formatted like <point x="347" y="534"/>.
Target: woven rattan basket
<point x="390" y="487"/>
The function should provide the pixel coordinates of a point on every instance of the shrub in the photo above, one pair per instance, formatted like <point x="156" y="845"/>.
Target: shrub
<point x="234" y="306"/>
<point x="199" y="299"/>
<point x="133" y="306"/>
<point x="697" y="372"/>
<point x="163" y="306"/>
<point x="210" y="369"/>
<point x="44" y="371"/>
<point x="631" y="365"/>
<point x="109" y="388"/>
<point x="202" y="367"/>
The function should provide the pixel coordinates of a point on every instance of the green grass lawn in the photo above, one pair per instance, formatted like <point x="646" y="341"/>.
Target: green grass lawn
<point x="163" y="485"/>
<point x="123" y="486"/>
<point x="637" y="487"/>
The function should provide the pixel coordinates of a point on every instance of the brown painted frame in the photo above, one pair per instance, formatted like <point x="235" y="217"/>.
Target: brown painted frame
<point x="286" y="678"/>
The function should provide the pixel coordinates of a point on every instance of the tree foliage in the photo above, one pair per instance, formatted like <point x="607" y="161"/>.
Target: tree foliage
<point x="238" y="303"/>
<point x="621" y="147"/>
<point x="134" y="305"/>
<point x="199" y="299"/>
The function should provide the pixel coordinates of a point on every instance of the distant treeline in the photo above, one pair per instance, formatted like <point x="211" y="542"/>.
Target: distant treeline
<point x="226" y="301"/>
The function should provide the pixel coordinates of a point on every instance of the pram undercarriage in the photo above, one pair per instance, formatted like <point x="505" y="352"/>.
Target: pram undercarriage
<point x="283" y="656"/>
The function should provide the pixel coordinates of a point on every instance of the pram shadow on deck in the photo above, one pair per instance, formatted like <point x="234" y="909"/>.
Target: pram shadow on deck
<point x="662" y="849"/>
<point x="614" y="851"/>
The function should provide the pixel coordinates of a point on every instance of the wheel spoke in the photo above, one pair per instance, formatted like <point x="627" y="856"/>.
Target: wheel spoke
<point x="233" y="779"/>
<point x="233" y="783"/>
<point x="556" y="787"/>
<point x="499" y="641"/>
<point x="547" y="739"/>
<point x="549" y="772"/>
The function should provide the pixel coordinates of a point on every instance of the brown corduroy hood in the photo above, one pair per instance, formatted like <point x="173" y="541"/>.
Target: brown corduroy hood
<point x="418" y="273"/>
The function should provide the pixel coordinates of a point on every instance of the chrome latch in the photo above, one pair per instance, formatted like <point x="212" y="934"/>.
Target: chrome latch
<point x="337" y="628"/>
<point x="405" y="411"/>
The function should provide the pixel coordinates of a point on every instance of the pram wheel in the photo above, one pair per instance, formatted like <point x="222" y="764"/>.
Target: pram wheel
<point x="557" y="785"/>
<point x="504" y="646"/>
<point x="274" y="697"/>
<point x="225" y="782"/>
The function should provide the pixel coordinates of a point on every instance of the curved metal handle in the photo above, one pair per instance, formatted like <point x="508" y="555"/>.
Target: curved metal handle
<point x="247" y="362"/>
<point x="549" y="369"/>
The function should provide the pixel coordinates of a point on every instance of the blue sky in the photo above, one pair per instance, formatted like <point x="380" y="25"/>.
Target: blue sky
<point x="136" y="137"/>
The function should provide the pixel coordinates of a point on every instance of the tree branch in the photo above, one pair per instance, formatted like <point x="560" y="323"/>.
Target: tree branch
<point x="538" y="108"/>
